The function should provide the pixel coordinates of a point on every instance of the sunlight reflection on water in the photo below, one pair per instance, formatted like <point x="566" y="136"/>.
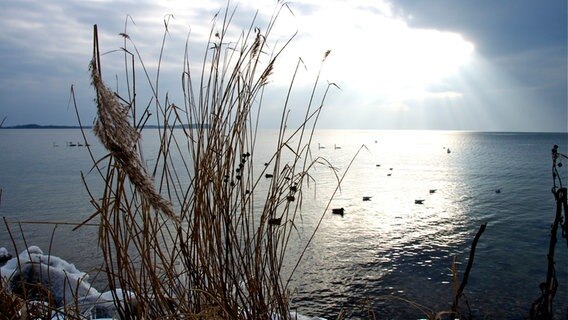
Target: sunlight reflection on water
<point x="390" y="246"/>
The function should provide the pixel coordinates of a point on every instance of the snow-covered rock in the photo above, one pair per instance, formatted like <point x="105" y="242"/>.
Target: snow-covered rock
<point x="67" y="285"/>
<point x="4" y="256"/>
<point x="33" y="267"/>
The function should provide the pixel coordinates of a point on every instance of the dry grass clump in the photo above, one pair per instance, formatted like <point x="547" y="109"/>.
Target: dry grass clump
<point x="198" y="236"/>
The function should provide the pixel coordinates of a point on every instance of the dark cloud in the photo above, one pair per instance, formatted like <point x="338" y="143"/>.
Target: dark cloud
<point x="496" y="27"/>
<point x="524" y="40"/>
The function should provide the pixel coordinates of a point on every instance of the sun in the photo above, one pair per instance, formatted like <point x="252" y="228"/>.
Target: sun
<point x="402" y="62"/>
<point x="373" y="51"/>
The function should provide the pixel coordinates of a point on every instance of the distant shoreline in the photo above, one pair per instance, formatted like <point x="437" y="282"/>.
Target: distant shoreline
<point x="207" y="126"/>
<point x="37" y="126"/>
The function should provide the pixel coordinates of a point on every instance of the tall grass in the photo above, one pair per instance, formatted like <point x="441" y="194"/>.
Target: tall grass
<point x="196" y="236"/>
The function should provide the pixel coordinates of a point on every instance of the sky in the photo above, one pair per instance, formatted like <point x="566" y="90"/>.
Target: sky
<point x="406" y="64"/>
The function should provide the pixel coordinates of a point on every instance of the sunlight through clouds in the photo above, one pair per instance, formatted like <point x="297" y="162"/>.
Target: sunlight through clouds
<point x="374" y="52"/>
<point x="380" y="53"/>
<point x="376" y="57"/>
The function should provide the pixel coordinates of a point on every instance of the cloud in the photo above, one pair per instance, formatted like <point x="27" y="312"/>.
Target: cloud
<point x="439" y="60"/>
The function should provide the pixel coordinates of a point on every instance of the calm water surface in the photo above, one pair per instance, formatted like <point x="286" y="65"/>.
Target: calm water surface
<point x="381" y="251"/>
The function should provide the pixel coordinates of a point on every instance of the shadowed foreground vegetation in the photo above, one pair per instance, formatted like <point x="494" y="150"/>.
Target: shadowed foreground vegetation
<point x="215" y="247"/>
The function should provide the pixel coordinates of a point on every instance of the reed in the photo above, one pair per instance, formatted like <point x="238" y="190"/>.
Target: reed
<point x="196" y="236"/>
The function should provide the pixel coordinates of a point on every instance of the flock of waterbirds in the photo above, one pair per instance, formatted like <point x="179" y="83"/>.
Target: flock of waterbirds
<point x="72" y="144"/>
<point x="341" y="211"/>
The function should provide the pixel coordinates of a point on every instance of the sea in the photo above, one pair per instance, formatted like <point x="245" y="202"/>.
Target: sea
<point x="413" y="202"/>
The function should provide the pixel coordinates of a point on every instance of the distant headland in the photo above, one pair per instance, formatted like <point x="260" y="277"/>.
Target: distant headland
<point x="38" y="126"/>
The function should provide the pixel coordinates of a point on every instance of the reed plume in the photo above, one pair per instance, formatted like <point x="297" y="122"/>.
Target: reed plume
<point x="118" y="136"/>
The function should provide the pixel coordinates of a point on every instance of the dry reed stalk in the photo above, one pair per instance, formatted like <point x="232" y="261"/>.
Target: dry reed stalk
<point x="222" y="258"/>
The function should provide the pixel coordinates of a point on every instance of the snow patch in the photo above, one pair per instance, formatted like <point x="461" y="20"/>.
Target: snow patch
<point x="67" y="285"/>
